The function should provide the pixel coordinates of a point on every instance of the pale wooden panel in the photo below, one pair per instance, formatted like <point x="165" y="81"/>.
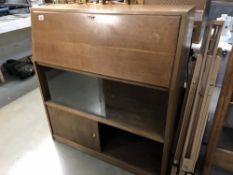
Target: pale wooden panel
<point x="128" y="47"/>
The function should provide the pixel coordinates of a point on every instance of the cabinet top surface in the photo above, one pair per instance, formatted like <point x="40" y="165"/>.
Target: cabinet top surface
<point x="117" y="9"/>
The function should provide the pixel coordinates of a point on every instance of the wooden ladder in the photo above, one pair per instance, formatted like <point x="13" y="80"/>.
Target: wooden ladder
<point x="197" y="101"/>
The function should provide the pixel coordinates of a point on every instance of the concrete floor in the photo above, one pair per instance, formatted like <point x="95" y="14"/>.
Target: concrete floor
<point x="26" y="147"/>
<point x="14" y="88"/>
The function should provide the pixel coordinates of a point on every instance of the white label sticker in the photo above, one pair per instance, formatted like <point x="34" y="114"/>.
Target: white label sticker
<point x="41" y="17"/>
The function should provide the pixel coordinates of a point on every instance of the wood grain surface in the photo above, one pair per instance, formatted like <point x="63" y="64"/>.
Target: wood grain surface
<point x="114" y="45"/>
<point x="77" y="129"/>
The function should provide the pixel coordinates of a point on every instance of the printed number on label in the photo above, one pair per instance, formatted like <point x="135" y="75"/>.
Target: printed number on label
<point x="41" y="17"/>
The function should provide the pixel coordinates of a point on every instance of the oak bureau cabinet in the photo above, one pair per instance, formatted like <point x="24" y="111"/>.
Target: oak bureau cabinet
<point x="111" y="78"/>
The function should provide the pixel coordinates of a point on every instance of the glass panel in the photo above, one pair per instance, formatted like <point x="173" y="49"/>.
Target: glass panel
<point x="104" y="97"/>
<point x="77" y="91"/>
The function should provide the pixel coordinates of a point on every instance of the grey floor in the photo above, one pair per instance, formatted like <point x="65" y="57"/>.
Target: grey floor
<point x="26" y="147"/>
<point x="14" y="88"/>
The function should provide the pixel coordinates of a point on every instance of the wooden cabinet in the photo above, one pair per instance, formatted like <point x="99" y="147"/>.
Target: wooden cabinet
<point x="111" y="78"/>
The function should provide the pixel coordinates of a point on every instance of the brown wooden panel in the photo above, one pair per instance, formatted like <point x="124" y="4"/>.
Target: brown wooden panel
<point x="72" y="127"/>
<point x="128" y="47"/>
<point x="177" y="81"/>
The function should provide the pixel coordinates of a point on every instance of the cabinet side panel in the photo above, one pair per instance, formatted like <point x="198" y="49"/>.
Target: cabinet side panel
<point x="177" y="82"/>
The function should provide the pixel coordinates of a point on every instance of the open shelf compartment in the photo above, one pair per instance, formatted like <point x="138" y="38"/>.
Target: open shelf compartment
<point x="137" y="151"/>
<point x="137" y="109"/>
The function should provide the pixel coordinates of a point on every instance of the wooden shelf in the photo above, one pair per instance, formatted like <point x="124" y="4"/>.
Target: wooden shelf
<point x="137" y="151"/>
<point x="133" y="108"/>
<point x="148" y="128"/>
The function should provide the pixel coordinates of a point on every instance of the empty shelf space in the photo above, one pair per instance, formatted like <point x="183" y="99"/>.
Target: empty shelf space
<point x="137" y="151"/>
<point x="225" y="140"/>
